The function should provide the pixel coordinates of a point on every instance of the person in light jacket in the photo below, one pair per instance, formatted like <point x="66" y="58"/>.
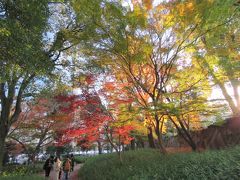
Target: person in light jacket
<point x="57" y="168"/>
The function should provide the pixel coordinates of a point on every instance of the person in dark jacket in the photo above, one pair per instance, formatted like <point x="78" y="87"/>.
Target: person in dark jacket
<point x="48" y="166"/>
<point x="72" y="162"/>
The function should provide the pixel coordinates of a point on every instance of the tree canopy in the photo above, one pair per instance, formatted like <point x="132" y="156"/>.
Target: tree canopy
<point x="123" y="70"/>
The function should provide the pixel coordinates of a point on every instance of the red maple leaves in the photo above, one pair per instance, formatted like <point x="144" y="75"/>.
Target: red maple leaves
<point x="90" y="120"/>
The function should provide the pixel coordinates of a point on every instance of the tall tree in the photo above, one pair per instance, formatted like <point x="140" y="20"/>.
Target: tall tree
<point x="24" y="56"/>
<point x="38" y="124"/>
<point x="142" y="46"/>
<point x="217" y="46"/>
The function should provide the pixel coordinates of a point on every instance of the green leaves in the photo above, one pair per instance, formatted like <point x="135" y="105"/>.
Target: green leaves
<point x="22" y="29"/>
<point x="149" y="164"/>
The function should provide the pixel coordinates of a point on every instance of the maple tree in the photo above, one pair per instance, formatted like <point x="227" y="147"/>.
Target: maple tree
<point x="163" y="58"/>
<point x="93" y="122"/>
<point x="38" y="125"/>
<point x="140" y="51"/>
<point x="119" y="107"/>
<point x="120" y="104"/>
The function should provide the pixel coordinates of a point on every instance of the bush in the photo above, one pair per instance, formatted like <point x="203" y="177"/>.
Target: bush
<point x="149" y="164"/>
<point x="21" y="170"/>
<point x="30" y="177"/>
<point x="81" y="159"/>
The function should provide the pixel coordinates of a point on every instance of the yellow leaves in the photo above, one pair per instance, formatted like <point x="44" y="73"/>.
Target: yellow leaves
<point x="4" y="32"/>
<point x="195" y="122"/>
<point x="210" y="1"/>
<point x="160" y="7"/>
<point x="181" y="9"/>
<point x="164" y="129"/>
<point x="138" y="48"/>
<point x="185" y="8"/>
<point x="137" y="11"/>
<point x="81" y="79"/>
<point x="169" y="20"/>
<point x="148" y="4"/>
<point x="190" y="6"/>
<point x="148" y="122"/>
<point x="133" y="45"/>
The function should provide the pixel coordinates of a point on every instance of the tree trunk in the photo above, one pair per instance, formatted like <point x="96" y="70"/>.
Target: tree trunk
<point x="235" y="84"/>
<point x="150" y="138"/>
<point x="158" y="131"/>
<point x="111" y="139"/>
<point x="33" y="155"/>
<point x="120" y="156"/>
<point x="99" y="147"/>
<point x="142" y="143"/>
<point x="123" y="147"/>
<point x="188" y="136"/>
<point x="3" y="136"/>
<point x="184" y="133"/>
<point x="228" y="98"/>
<point x="221" y="85"/>
<point x="159" y="137"/>
<point x="133" y="144"/>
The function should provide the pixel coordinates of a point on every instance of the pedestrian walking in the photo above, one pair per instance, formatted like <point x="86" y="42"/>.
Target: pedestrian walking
<point x="48" y="165"/>
<point x="66" y="167"/>
<point x="72" y="162"/>
<point x="57" y="168"/>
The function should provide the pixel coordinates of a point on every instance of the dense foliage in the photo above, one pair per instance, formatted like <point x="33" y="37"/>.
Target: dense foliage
<point x="127" y="71"/>
<point x="20" y="171"/>
<point x="149" y="164"/>
<point x="31" y="177"/>
<point x="82" y="159"/>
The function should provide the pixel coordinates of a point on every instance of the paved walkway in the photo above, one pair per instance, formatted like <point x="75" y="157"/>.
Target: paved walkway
<point x="73" y="175"/>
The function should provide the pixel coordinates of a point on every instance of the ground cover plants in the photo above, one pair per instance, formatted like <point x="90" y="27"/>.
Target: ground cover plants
<point x="150" y="164"/>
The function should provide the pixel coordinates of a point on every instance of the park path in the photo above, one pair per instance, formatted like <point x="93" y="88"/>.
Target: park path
<point x="73" y="175"/>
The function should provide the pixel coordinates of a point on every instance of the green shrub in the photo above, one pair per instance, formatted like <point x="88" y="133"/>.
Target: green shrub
<point x="30" y="177"/>
<point x="21" y="170"/>
<point x="81" y="159"/>
<point x="149" y="164"/>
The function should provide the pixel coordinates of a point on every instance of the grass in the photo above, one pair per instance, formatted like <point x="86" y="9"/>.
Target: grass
<point x="150" y="165"/>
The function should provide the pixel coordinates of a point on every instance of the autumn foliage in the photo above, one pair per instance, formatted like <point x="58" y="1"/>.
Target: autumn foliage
<point x="92" y="121"/>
